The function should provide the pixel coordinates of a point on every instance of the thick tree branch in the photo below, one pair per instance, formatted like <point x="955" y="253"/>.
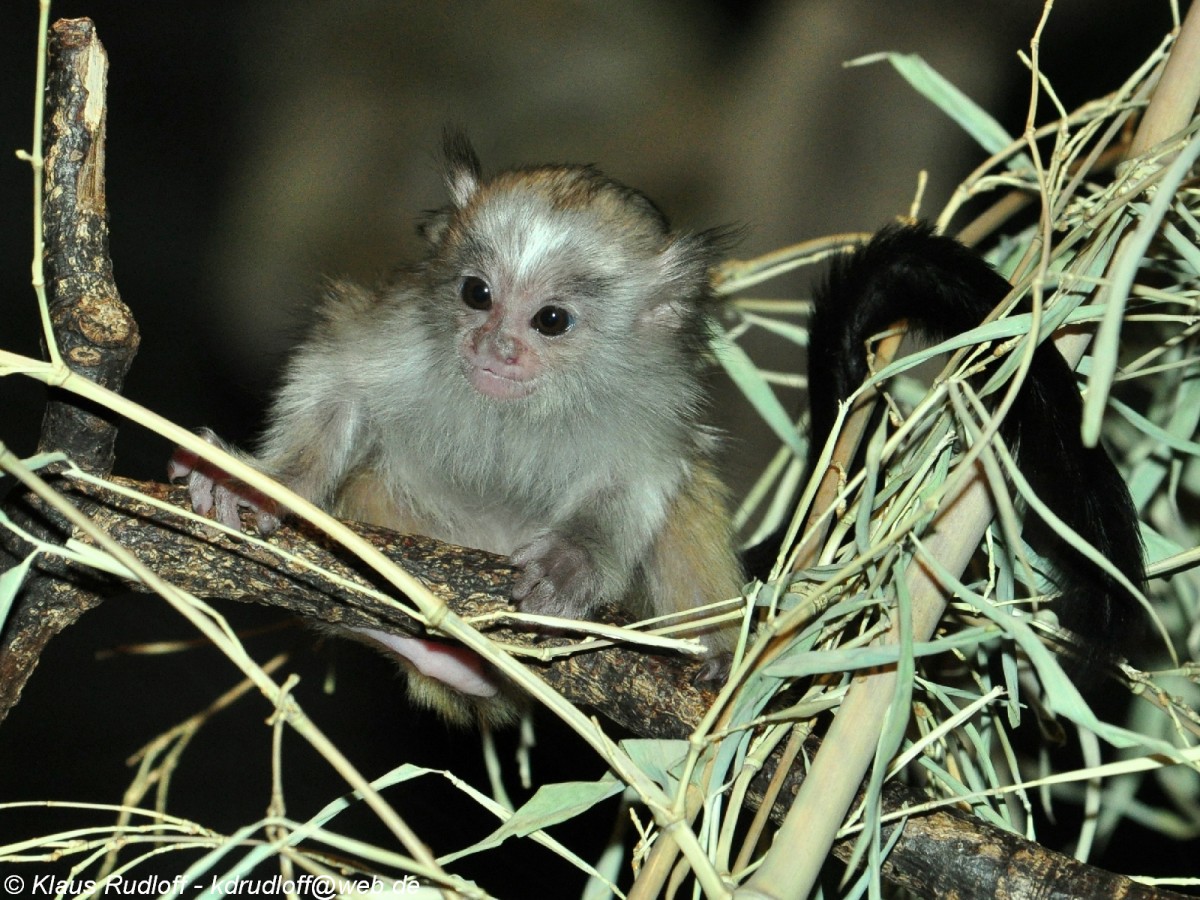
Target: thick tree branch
<point x="94" y="331"/>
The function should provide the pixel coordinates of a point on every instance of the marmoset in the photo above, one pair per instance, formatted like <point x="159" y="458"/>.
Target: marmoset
<point x="532" y="386"/>
<point x="941" y="288"/>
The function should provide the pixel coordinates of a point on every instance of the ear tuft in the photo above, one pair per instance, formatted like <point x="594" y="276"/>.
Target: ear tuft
<point x="434" y="224"/>
<point x="687" y="259"/>
<point x="683" y="267"/>
<point x="460" y="166"/>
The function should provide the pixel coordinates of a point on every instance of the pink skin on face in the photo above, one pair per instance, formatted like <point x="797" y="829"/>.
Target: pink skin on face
<point x="499" y="363"/>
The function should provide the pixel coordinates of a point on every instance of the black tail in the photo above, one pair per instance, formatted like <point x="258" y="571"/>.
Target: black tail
<point x="942" y="289"/>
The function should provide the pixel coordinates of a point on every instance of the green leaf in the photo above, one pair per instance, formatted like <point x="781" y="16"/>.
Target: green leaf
<point x="10" y="584"/>
<point x="659" y="759"/>
<point x="553" y="803"/>
<point x="745" y="375"/>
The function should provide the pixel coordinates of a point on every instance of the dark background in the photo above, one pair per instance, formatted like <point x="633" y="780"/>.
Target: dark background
<point x="255" y="146"/>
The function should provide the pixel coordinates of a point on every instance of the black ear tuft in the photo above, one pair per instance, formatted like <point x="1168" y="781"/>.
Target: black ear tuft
<point x="460" y="166"/>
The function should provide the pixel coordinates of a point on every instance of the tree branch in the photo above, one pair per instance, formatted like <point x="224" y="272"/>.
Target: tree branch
<point x="94" y="331"/>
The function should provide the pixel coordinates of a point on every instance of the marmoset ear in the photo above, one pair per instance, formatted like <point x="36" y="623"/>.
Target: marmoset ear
<point x="460" y="167"/>
<point x="461" y="173"/>
<point x="684" y="268"/>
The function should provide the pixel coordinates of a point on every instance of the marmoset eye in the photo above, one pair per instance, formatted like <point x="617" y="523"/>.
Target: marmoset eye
<point x="551" y="321"/>
<point x="476" y="293"/>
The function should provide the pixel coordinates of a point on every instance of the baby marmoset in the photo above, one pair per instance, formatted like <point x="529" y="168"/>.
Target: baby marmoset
<point x="532" y="387"/>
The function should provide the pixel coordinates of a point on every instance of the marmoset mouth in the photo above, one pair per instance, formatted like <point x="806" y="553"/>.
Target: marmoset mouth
<point x="491" y="383"/>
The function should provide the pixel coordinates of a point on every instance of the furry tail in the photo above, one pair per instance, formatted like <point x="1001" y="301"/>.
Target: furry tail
<point x="941" y="288"/>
